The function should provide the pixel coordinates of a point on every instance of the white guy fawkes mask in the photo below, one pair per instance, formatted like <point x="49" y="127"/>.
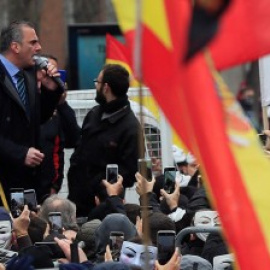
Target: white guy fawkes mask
<point x="207" y="218"/>
<point x="5" y="234"/>
<point x="135" y="254"/>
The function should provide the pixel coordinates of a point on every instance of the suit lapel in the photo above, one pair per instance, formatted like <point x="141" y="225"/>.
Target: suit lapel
<point x="10" y="89"/>
<point x="12" y="92"/>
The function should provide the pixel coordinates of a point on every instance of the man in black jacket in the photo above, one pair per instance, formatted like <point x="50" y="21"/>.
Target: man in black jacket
<point x="27" y="98"/>
<point x="110" y="135"/>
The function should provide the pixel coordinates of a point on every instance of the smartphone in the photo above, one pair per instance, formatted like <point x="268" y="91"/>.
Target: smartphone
<point x="16" y="201"/>
<point x="30" y="199"/>
<point x="55" y="221"/>
<point x="112" y="173"/>
<point x="145" y="168"/>
<point x="63" y="75"/>
<point x="116" y="242"/>
<point x="169" y="179"/>
<point x="166" y="245"/>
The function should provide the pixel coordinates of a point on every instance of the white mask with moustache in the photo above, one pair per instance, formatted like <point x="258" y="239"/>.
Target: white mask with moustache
<point x="136" y="255"/>
<point x="207" y="218"/>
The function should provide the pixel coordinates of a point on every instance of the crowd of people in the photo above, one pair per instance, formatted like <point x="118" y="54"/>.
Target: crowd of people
<point x="142" y="228"/>
<point x="36" y="242"/>
<point x="94" y="228"/>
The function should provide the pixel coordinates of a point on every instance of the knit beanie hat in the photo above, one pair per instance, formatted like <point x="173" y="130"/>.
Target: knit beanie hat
<point x="190" y="262"/>
<point x="87" y="232"/>
<point x="113" y="222"/>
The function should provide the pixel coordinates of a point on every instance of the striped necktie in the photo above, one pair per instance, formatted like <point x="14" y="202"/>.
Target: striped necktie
<point x="21" y="87"/>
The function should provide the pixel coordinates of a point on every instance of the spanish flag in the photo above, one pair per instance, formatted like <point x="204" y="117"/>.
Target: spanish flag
<point x="208" y="120"/>
<point x="161" y="48"/>
<point x="234" y="165"/>
<point x="117" y="53"/>
<point x="243" y="35"/>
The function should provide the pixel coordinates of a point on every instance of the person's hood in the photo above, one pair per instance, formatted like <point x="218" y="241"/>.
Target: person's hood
<point x="190" y="262"/>
<point x="113" y="222"/>
<point x="87" y="232"/>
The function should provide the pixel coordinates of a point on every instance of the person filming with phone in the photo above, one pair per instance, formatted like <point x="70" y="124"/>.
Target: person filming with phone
<point x="110" y="135"/>
<point x="28" y="96"/>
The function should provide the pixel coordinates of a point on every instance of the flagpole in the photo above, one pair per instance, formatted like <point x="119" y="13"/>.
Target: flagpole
<point x="137" y="55"/>
<point x="139" y="75"/>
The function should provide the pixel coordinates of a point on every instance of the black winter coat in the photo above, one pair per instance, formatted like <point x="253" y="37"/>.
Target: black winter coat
<point x="18" y="130"/>
<point x="113" y="140"/>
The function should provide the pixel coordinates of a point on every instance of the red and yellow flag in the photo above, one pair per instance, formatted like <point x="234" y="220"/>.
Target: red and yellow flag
<point x="117" y="53"/>
<point x="243" y="34"/>
<point x="161" y="48"/>
<point x="233" y="163"/>
<point x="208" y="121"/>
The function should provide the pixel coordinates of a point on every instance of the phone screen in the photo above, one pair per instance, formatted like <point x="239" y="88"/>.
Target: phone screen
<point x="55" y="222"/>
<point x="145" y="168"/>
<point x="116" y="242"/>
<point x="16" y="201"/>
<point x="112" y="173"/>
<point x="169" y="179"/>
<point x="30" y="199"/>
<point x="166" y="246"/>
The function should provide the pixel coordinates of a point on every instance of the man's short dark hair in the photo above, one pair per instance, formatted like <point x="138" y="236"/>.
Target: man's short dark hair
<point x="182" y="163"/>
<point x="117" y="77"/>
<point x="13" y="32"/>
<point x="133" y="211"/>
<point x="157" y="222"/>
<point x="101" y="193"/>
<point x="36" y="229"/>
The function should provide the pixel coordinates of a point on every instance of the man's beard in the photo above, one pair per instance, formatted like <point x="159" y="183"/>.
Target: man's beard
<point x="100" y="98"/>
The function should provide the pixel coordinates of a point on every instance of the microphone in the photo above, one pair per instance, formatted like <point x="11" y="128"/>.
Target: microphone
<point x="42" y="63"/>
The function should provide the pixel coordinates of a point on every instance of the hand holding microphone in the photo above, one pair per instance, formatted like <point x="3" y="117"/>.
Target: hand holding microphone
<point x="42" y="63"/>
